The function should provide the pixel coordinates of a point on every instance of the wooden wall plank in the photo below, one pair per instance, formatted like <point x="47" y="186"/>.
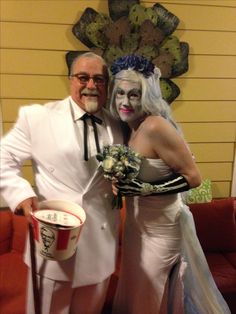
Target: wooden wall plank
<point x="194" y="132"/>
<point x="27" y="173"/>
<point x="206" y="89"/>
<point x="60" y="37"/>
<point x="41" y="62"/>
<point x="209" y="42"/>
<point x="220" y="3"/>
<point x="28" y="61"/>
<point x="203" y="66"/>
<point x="58" y="11"/>
<point x="22" y="35"/>
<point x="194" y="16"/>
<point x="7" y="126"/>
<point x="51" y="87"/>
<point x="204" y="111"/>
<point x="27" y="163"/>
<point x="213" y="152"/>
<point x="183" y="111"/>
<point x="209" y="132"/>
<point x="216" y="171"/>
<point x="220" y="189"/>
<point x="68" y="12"/>
<point x="54" y="87"/>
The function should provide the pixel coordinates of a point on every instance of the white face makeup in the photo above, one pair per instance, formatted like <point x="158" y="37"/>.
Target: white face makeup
<point x="128" y="101"/>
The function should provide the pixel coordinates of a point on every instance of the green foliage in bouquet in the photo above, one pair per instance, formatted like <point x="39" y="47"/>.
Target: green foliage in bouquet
<point x="134" y="29"/>
<point x="119" y="163"/>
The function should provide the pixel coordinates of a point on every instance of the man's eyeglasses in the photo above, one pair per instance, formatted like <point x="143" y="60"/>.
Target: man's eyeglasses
<point x="84" y="79"/>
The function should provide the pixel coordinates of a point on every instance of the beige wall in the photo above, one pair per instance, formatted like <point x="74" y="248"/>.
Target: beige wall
<point x="35" y="35"/>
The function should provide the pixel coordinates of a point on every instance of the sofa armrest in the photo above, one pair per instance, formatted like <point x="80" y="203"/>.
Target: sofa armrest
<point x="6" y="228"/>
<point x="13" y="232"/>
<point x="215" y="225"/>
<point x="20" y="228"/>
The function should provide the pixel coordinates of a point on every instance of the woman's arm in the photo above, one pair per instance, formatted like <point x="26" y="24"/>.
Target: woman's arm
<point x="170" y="146"/>
<point x="159" y="139"/>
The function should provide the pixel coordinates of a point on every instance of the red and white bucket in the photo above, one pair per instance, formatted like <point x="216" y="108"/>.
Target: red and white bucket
<point x="57" y="226"/>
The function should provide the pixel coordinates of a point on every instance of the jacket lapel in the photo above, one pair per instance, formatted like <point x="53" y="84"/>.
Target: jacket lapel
<point x="74" y="171"/>
<point x="68" y="150"/>
<point x="115" y="137"/>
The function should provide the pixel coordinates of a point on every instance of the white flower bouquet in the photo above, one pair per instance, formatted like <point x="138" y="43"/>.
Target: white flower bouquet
<point x="119" y="163"/>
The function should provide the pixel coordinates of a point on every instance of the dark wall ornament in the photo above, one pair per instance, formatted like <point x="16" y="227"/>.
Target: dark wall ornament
<point x="131" y="28"/>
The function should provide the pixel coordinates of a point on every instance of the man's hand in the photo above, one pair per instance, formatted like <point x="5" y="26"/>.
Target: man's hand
<point x="26" y="207"/>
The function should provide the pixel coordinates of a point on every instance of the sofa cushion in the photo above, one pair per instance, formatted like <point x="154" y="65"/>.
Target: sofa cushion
<point x="13" y="278"/>
<point x="6" y="231"/>
<point x="19" y="233"/>
<point x="223" y="272"/>
<point x="215" y="225"/>
<point x="231" y="257"/>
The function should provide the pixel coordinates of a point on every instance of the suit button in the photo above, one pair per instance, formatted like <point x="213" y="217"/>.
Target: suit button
<point x="51" y="169"/>
<point x="104" y="225"/>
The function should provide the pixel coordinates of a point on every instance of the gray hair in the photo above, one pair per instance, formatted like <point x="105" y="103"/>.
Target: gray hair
<point x="91" y="55"/>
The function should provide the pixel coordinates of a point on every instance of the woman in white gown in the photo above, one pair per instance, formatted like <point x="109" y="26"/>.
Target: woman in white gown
<point x="163" y="269"/>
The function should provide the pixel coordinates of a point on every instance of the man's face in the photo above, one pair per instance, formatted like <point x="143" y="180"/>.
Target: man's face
<point x="128" y="101"/>
<point x="89" y="94"/>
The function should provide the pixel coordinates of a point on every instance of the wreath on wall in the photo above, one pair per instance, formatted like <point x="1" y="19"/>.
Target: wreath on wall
<point x="131" y="28"/>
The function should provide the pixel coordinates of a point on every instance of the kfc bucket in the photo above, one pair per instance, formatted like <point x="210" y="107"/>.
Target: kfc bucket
<point x="57" y="226"/>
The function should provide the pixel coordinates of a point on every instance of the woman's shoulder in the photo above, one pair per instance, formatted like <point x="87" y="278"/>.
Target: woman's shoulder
<point x="155" y="123"/>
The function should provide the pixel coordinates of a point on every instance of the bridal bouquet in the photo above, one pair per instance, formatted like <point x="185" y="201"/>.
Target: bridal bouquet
<point x="119" y="162"/>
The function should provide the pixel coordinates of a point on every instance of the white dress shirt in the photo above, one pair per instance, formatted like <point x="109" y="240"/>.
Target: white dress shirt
<point x="77" y="114"/>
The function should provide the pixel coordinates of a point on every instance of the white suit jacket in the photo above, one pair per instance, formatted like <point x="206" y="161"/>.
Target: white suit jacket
<point x="46" y="135"/>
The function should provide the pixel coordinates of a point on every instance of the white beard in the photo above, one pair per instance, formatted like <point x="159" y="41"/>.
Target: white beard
<point x="91" y="105"/>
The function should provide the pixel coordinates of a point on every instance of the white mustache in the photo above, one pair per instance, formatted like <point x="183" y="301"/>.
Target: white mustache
<point x="92" y="92"/>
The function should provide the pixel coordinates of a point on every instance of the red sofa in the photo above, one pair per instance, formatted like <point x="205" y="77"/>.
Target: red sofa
<point x="13" y="271"/>
<point x="216" y="229"/>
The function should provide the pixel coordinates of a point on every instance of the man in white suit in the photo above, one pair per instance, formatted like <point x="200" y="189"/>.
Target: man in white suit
<point x="65" y="167"/>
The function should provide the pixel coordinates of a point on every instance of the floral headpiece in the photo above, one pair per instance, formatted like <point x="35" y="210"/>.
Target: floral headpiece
<point x="133" y="62"/>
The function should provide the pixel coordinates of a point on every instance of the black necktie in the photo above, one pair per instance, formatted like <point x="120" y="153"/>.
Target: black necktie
<point x="94" y="120"/>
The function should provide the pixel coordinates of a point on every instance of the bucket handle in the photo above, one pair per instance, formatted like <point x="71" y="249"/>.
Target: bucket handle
<point x="37" y="303"/>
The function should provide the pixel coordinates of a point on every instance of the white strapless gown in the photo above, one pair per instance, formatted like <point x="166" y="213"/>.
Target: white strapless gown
<point x="163" y="268"/>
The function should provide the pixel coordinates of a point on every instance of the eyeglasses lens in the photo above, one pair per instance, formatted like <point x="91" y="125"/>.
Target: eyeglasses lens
<point x="84" y="79"/>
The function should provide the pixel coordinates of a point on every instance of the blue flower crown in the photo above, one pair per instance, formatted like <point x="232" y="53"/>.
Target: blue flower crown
<point x="133" y="62"/>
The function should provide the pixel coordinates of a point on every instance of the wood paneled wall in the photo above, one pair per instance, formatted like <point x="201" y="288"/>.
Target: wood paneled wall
<point x="35" y="35"/>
